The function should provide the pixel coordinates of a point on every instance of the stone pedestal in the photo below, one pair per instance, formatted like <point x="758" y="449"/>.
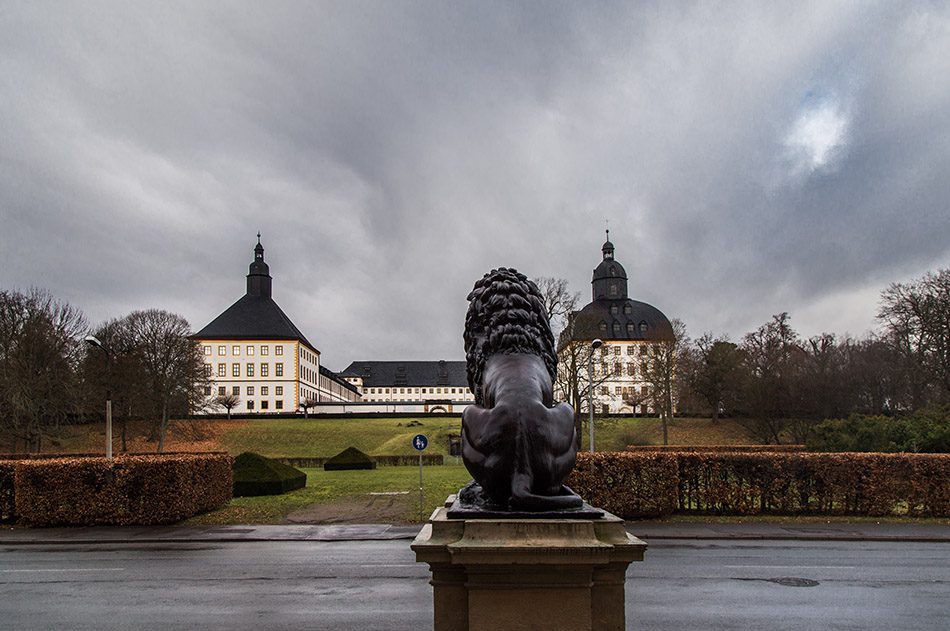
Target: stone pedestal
<point x="520" y="574"/>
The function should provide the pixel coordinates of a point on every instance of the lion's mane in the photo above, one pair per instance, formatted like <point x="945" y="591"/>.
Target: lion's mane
<point x="505" y="315"/>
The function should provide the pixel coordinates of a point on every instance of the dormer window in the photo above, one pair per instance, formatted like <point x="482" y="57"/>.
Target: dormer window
<point x="613" y="309"/>
<point x="603" y="327"/>
<point x="627" y="309"/>
<point x="643" y="326"/>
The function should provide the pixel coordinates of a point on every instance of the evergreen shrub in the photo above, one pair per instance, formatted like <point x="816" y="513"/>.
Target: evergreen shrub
<point x="256" y="475"/>
<point x="349" y="458"/>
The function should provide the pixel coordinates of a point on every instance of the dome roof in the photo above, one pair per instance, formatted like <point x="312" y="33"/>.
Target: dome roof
<point x="621" y="319"/>
<point x="612" y="315"/>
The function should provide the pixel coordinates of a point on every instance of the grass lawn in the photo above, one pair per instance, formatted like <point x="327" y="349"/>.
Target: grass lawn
<point x="330" y="487"/>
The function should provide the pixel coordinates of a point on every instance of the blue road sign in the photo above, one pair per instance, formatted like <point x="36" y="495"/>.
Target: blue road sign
<point x="420" y="442"/>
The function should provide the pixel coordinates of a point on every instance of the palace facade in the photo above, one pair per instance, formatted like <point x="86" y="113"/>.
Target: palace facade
<point x="255" y="352"/>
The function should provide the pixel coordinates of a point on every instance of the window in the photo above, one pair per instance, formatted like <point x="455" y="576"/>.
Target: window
<point x="616" y="350"/>
<point x="222" y="350"/>
<point x="264" y="404"/>
<point x="250" y="370"/>
<point x="207" y="370"/>
<point x="279" y="390"/>
<point x="222" y="391"/>
<point x="279" y="370"/>
<point x="207" y="350"/>
<point x="222" y="370"/>
<point x="250" y="391"/>
<point x="264" y="370"/>
<point x="643" y="326"/>
<point x="630" y="328"/>
<point x="235" y="350"/>
<point x="614" y="309"/>
<point x="207" y="391"/>
<point x="631" y="348"/>
<point x="279" y="404"/>
<point x="264" y="391"/>
<point x="603" y="327"/>
<point x="250" y="405"/>
<point x="235" y="370"/>
<point x="604" y="390"/>
<point x="236" y="390"/>
<point x="605" y="409"/>
<point x="617" y="390"/>
<point x="265" y="349"/>
<point x="627" y="309"/>
<point x="631" y="370"/>
<point x="612" y="290"/>
<point x="278" y="350"/>
<point x="617" y="328"/>
<point x="417" y="390"/>
<point x="617" y="369"/>
<point x="423" y="391"/>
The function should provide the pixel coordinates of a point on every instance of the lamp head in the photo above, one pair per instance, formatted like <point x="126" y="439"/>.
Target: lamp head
<point x="596" y="344"/>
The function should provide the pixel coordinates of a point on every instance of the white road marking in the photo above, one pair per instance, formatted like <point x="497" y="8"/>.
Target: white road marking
<point x="795" y="567"/>
<point x="72" y="569"/>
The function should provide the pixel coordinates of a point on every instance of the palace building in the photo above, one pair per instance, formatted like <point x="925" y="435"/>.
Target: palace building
<point x="423" y="386"/>
<point x="626" y="327"/>
<point x="254" y="351"/>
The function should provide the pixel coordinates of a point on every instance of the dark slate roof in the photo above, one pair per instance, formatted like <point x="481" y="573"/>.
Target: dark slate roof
<point x="326" y="372"/>
<point x="253" y="318"/>
<point x="420" y="373"/>
<point x="624" y="320"/>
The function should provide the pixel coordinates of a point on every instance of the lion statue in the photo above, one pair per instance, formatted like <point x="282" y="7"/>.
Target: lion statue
<point x="517" y="442"/>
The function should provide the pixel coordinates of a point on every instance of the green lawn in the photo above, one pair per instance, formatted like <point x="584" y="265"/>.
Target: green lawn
<point x="317" y="437"/>
<point x="320" y="437"/>
<point x="327" y="487"/>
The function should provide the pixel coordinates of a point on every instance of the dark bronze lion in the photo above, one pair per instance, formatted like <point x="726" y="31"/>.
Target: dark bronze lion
<point x="517" y="442"/>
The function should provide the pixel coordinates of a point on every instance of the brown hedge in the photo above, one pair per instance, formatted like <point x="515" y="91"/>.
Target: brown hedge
<point x="716" y="448"/>
<point x="627" y="484"/>
<point x="129" y="490"/>
<point x="777" y="483"/>
<point x="7" y="503"/>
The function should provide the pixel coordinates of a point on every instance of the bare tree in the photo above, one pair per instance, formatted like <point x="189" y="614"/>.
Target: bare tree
<point x="916" y="319"/>
<point x="574" y="379"/>
<point x="659" y="368"/>
<point x="228" y="402"/>
<point x="773" y="357"/>
<point x="116" y="371"/>
<point x="39" y="352"/>
<point x="308" y="403"/>
<point x="172" y="365"/>
<point x="559" y="303"/>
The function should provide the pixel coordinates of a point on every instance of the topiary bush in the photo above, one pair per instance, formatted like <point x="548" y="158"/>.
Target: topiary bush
<point x="256" y="475"/>
<point x="349" y="458"/>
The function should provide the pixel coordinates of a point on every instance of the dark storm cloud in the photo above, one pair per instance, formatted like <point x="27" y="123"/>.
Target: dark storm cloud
<point x="750" y="159"/>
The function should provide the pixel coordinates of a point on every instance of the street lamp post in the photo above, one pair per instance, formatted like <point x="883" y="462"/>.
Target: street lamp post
<point x="93" y="341"/>
<point x="590" y="388"/>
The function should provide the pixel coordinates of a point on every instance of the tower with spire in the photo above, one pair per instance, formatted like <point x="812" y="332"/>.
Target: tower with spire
<point x="625" y="326"/>
<point x="255" y="352"/>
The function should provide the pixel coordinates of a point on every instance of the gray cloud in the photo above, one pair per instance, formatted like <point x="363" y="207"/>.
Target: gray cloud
<point x="751" y="159"/>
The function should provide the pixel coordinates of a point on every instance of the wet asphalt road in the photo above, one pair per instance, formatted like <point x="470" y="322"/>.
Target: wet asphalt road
<point x="682" y="585"/>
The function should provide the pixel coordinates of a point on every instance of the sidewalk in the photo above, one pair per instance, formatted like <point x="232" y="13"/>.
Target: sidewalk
<point x="646" y="530"/>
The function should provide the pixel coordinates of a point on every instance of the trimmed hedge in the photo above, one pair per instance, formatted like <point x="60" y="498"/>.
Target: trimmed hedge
<point x="382" y="461"/>
<point x="627" y="484"/>
<point x="349" y="458"/>
<point x="7" y="496"/>
<point x="757" y="483"/>
<point x="129" y="490"/>
<point x="717" y="448"/>
<point x="256" y="475"/>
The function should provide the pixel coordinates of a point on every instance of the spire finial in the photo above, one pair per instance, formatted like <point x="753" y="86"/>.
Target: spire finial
<point x="258" y="236"/>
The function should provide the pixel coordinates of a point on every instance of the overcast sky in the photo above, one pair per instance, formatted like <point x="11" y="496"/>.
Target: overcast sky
<point x="750" y="158"/>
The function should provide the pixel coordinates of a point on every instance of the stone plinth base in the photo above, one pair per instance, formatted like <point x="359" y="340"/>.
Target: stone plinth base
<point x="519" y="574"/>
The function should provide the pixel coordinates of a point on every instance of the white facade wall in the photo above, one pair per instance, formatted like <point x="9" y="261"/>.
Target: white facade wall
<point x="621" y="361"/>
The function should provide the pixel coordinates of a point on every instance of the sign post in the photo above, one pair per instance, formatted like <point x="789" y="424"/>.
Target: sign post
<point x="420" y="442"/>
